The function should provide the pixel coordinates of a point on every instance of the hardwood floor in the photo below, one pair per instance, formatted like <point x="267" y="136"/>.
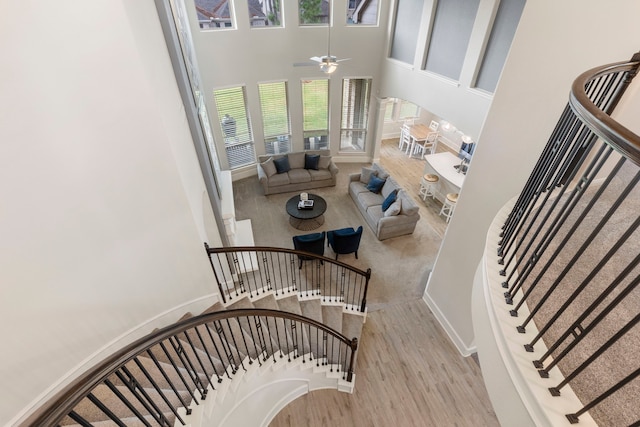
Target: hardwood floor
<point x="408" y="171"/>
<point x="408" y="372"/>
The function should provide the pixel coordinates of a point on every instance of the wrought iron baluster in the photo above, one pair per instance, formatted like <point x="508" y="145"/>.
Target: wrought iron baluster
<point x="170" y="382"/>
<point x="159" y="390"/>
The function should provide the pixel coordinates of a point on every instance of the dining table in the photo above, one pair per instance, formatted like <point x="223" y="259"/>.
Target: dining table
<point x="417" y="133"/>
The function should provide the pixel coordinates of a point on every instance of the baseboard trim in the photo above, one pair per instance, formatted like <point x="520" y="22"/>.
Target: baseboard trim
<point x="448" y="328"/>
<point x="169" y="316"/>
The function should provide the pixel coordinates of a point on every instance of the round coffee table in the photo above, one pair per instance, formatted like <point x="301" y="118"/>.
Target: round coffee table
<point x="306" y="219"/>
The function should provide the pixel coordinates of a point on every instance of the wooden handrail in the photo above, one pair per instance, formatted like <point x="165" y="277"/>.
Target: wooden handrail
<point x="600" y="122"/>
<point x="52" y="412"/>
<point x="230" y="249"/>
<point x="343" y="282"/>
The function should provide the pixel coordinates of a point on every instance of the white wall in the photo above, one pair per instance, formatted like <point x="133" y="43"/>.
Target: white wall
<point x="553" y="45"/>
<point x="101" y="196"/>
<point x="246" y="56"/>
<point x="455" y="101"/>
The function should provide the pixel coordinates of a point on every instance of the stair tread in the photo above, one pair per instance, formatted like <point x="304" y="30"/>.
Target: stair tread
<point x="312" y="309"/>
<point x="290" y="304"/>
<point x="214" y="351"/>
<point x="266" y="302"/>
<point x="91" y="413"/>
<point x="242" y="302"/>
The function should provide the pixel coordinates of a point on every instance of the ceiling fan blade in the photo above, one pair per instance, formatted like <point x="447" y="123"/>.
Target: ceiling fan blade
<point x="305" y="64"/>
<point x="345" y="59"/>
<point x="316" y="58"/>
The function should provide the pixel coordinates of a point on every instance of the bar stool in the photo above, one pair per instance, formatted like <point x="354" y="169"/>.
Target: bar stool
<point x="449" y="205"/>
<point x="428" y="186"/>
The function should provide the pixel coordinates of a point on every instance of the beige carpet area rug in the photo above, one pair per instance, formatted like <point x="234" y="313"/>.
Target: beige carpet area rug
<point x="399" y="265"/>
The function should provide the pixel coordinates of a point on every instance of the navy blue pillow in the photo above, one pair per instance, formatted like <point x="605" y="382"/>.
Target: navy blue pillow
<point x="389" y="200"/>
<point x="311" y="161"/>
<point x="282" y="164"/>
<point x="375" y="184"/>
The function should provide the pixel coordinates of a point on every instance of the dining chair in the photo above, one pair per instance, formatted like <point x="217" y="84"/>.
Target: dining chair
<point x="405" y="139"/>
<point x="428" y="146"/>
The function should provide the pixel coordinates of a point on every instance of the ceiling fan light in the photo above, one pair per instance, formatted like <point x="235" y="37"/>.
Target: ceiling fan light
<point x="328" y="67"/>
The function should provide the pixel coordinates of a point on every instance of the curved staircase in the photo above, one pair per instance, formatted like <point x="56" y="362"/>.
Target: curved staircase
<point x="237" y="363"/>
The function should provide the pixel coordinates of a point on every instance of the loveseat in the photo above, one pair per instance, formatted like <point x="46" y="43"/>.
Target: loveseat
<point x="401" y="214"/>
<point x="297" y="171"/>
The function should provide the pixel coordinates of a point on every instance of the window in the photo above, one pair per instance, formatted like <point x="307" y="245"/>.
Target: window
<point x="388" y="112"/>
<point x="405" y="30"/>
<point x="315" y="114"/>
<point x="275" y="117"/>
<point x="504" y="28"/>
<point x="362" y="12"/>
<point x="236" y="126"/>
<point x="450" y="36"/>
<point x="313" y="12"/>
<point x="265" y="13"/>
<point x="355" y="113"/>
<point x="185" y="49"/>
<point x="214" y="14"/>
<point x="408" y="110"/>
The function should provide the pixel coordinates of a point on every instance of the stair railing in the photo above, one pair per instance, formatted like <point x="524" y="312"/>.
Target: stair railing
<point x="179" y="365"/>
<point x="569" y="248"/>
<point x="253" y="270"/>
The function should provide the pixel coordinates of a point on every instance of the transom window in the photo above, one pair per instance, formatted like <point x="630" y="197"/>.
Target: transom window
<point x="236" y="126"/>
<point x="315" y="113"/>
<point x="355" y="114"/>
<point x="265" y="13"/>
<point x="214" y="14"/>
<point x="407" y="110"/>
<point x="313" y="12"/>
<point x="362" y="12"/>
<point x="275" y="117"/>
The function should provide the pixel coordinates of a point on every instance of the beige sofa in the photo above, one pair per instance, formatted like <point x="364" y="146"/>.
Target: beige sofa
<point x="400" y="219"/>
<point x="297" y="178"/>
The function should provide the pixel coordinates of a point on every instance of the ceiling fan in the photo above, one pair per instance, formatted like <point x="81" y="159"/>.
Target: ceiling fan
<point x="328" y="63"/>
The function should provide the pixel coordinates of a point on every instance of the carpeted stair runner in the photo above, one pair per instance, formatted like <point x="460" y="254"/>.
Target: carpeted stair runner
<point x="213" y="363"/>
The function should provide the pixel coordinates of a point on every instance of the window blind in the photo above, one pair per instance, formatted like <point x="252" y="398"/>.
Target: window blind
<point x="495" y="55"/>
<point x="450" y="35"/>
<point x="233" y="115"/>
<point x="236" y="126"/>
<point x="275" y="114"/>
<point x="315" y="107"/>
<point x="275" y="117"/>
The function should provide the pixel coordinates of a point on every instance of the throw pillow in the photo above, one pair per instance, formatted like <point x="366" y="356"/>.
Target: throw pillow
<point x="375" y="184"/>
<point x="407" y="208"/>
<point x="394" y="209"/>
<point x="366" y="174"/>
<point x="382" y="174"/>
<point x="296" y="160"/>
<point x="282" y="164"/>
<point x="389" y="201"/>
<point x="269" y="167"/>
<point x="311" y="161"/>
<point x="324" y="162"/>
